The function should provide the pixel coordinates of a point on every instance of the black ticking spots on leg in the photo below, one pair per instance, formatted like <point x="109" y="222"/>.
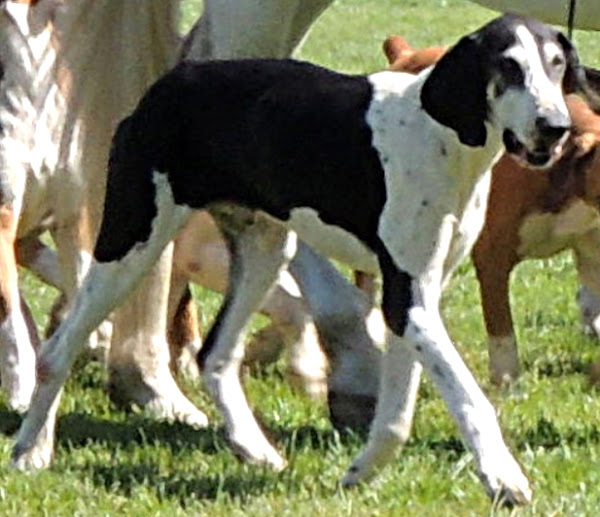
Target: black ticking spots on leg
<point x="437" y="371"/>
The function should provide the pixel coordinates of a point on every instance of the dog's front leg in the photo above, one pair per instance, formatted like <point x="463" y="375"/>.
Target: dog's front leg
<point x="494" y="260"/>
<point x="411" y="309"/>
<point x="426" y="341"/>
<point x="391" y="427"/>
<point x="498" y="470"/>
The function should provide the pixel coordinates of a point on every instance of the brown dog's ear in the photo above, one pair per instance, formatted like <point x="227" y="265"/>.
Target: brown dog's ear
<point x="404" y="58"/>
<point x="454" y="94"/>
<point x="574" y="74"/>
<point x="394" y="47"/>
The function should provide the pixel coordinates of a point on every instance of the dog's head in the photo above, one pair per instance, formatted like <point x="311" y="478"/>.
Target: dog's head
<point x="513" y="74"/>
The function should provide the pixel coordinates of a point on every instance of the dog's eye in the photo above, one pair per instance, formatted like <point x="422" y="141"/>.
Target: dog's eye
<point x="557" y="61"/>
<point x="511" y="73"/>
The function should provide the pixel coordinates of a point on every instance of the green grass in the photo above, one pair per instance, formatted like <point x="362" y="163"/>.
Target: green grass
<point x="111" y="463"/>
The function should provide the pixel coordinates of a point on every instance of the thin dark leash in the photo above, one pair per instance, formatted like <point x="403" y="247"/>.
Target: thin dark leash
<point x="571" y="18"/>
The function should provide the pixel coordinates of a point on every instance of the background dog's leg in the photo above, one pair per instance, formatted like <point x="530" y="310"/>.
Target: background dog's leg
<point x="184" y="333"/>
<point x="139" y="355"/>
<point x="17" y="339"/>
<point x="588" y="296"/>
<point x="230" y="29"/>
<point x="40" y="259"/>
<point x="260" y="249"/>
<point x="349" y="332"/>
<point x="493" y="264"/>
<point x="74" y="236"/>
<point x="588" y="267"/>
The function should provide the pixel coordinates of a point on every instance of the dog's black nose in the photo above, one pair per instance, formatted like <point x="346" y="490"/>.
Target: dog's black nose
<point x="553" y="127"/>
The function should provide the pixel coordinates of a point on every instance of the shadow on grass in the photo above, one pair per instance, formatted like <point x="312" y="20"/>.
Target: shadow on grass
<point x="126" y="472"/>
<point x="557" y="367"/>
<point x="77" y="430"/>
<point x="546" y="434"/>
<point x="127" y="478"/>
<point x="236" y="482"/>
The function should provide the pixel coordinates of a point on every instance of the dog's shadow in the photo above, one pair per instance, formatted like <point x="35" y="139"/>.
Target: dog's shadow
<point x="76" y="430"/>
<point x="180" y="481"/>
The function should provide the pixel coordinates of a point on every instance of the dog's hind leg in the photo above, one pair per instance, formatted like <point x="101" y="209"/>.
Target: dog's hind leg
<point x="260" y="248"/>
<point x="107" y="284"/>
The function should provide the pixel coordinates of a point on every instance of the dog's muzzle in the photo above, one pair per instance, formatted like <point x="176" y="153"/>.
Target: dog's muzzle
<point x="551" y="134"/>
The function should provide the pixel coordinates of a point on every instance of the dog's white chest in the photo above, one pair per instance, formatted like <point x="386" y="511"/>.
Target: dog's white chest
<point x="437" y="190"/>
<point x="542" y="235"/>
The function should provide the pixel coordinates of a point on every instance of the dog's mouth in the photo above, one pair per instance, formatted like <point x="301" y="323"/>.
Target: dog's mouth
<point x="542" y="156"/>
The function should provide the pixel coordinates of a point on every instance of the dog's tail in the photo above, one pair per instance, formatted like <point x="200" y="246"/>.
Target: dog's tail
<point x="142" y="146"/>
<point x="129" y="206"/>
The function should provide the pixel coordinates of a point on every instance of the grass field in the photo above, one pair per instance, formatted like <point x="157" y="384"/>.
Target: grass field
<point x="110" y="463"/>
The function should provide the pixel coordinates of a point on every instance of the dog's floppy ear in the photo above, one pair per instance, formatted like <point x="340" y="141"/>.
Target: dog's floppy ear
<point x="454" y="94"/>
<point x="574" y="73"/>
<point x="575" y="79"/>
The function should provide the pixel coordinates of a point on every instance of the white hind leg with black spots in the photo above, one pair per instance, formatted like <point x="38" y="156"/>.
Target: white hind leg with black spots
<point x="260" y="249"/>
<point x="106" y="286"/>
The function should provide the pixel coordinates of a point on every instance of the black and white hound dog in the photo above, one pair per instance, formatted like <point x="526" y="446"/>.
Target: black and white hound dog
<point x="399" y="161"/>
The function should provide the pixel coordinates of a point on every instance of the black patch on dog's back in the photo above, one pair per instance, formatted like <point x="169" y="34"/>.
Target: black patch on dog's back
<point x="267" y="134"/>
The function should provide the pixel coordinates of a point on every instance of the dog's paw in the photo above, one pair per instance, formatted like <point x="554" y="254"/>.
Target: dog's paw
<point x="354" y="476"/>
<point x="377" y="454"/>
<point x="19" y="399"/>
<point x="257" y="452"/>
<point x="176" y="409"/>
<point x="31" y="459"/>
<point x="505" y="482"/>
